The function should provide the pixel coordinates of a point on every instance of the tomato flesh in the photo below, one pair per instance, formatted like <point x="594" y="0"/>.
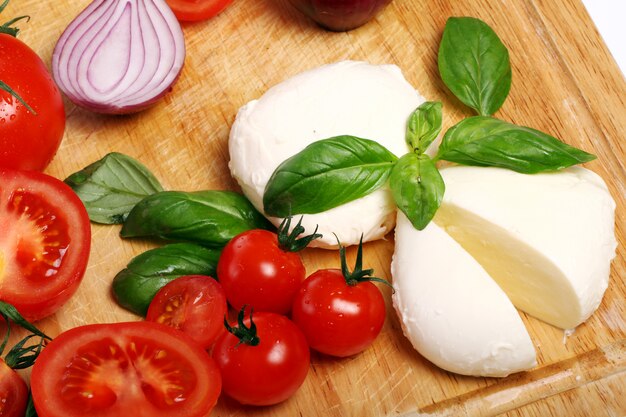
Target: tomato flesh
<point x="140" y="369"/>
<point x="196" y="10"/>
<point x="13" y="392"/>
<point x="194" y="304"/>
<point x="44" y="242"/>
<point x="38" y="255"/>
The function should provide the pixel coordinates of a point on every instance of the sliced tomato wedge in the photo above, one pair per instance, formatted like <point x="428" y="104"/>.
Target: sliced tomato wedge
<point x="45" y="238"/>
<point x="136" y="369"/>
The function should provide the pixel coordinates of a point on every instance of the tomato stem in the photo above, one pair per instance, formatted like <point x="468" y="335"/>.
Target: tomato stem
<point x="247" y="335"/>
<point x="358" y="274"/>
<point x="289" y="242"/>
<point x="4" y="86"/>
<point x="7" y="27"/>
<point x="20" y="357"/>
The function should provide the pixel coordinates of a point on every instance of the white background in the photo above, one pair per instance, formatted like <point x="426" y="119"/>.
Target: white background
<point x="610" y="19"/>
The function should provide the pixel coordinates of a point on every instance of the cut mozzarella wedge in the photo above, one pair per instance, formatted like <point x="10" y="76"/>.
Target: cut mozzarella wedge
<point x="453" y="313"/>
<point x="346" y="98"/>
<point x="546" y="239"/>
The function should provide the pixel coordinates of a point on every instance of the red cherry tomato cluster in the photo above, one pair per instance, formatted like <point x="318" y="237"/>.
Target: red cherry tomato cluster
<point x="336" y="312"/>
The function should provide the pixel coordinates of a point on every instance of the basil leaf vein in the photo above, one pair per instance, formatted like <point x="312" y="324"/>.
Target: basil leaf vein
<point x="327" y="174"/>
<point x="110" y="187"/>
<point x="486" y="141"/>
<point x="417" y="188"/>
<point x="424" y="126"/>
<point x="209" y="218"/>
<point x="474" y="64"/>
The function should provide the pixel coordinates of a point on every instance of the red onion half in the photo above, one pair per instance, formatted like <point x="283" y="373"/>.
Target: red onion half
<point x="119" y="56"/>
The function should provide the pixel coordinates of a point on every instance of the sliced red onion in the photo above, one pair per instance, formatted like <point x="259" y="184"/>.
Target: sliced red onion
<point x="119" y="56"/>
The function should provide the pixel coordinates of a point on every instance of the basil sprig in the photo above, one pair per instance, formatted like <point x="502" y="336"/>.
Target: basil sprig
<point x="136" y="285"/>
<point x="327" y="174"/>
<point x="474" y="64"/>
<point x="486" y="141"/>
<point x="111" y="187"/>
<point x="335" y="171"/>
<point x="209" y="218"/>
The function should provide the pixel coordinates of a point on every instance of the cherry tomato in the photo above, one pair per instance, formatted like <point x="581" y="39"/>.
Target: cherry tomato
<point x="44" y="243"/>
<point x="262" y="366"/>
<point x="28" y="140"/>
<point x="195" y="10"/>
<point x="138" y="369"/>
<point x="195" y="304"/>
<point x="13" y="392"/>
<point x="340" y="312"/>
<point x="261" y="269"/>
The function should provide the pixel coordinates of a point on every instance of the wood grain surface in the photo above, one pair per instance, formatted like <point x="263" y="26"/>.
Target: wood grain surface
<point x="564" y="82"/>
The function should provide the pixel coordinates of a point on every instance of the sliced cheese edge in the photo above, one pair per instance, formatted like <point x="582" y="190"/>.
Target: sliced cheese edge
<point x="546" y="239"/>
<point x="453" y="313"/>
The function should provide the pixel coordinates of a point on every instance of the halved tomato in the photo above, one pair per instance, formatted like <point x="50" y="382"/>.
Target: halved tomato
<point x="13" y="392"/>
<point x="136" y="369"/>
<point x="194" y="304"/>
<point x="45" y="237"/>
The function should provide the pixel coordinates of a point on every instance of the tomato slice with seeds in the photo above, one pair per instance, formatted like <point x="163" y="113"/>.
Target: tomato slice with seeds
<point x="194" y="304"/>
<point x="138" y="369"/>
<point x="45" y="238"/>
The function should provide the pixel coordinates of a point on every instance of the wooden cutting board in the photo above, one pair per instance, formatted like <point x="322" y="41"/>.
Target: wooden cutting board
<point x="564" y="82"/>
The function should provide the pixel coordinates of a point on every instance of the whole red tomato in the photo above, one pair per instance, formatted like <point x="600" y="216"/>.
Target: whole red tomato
<point x="340" y="312"/>
<point x="261" y="269"/>
<point x="195" y="10"/>
<point x="29" y="138"/>
<point x="13" y="392"/>
<point x="262" y="361"/>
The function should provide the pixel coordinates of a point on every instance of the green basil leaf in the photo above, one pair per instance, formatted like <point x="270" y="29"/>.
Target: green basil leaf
<point x="135" y="286"/>
<point x="486" y="141"/>
<point x="209" y="218"/>
<point x="474" y="64"/>
<point x="417" y="188"/>
<point x="327" y="174"/>
<point x="424" y="126"/>
<point x="112" y="186"/>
